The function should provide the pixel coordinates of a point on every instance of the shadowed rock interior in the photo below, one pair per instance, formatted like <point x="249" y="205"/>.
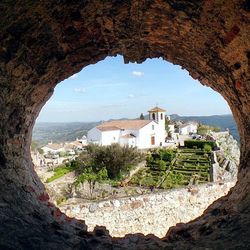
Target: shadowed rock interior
<point x="45" y="42"/>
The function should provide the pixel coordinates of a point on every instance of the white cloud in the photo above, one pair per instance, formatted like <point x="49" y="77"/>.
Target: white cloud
<point x="138" y="73"/>
<point x="80" y="90"/>
<point x="74" y="76"/>
<point x="131" y="96"/>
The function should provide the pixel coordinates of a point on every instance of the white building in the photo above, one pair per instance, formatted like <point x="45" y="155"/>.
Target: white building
<point x="83" y="140"/>
<point x="53" y="148"/>
<point x="135" y="133"/>
<point x="187" y="128"/>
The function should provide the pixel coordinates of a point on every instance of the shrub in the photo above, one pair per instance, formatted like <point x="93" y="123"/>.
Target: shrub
<point x="40" y="151"/>
<point x="172" y="180"/>
<point x="207" y="148"/>
<point x="199" y="144"/>
<point x="60" y="171"/>
<point x="60" y="200"/>
<point x="205" y="129"/>
<point x="149" y="159"/>
<point x="62" y="154"/>
<point x="148" y="181"/>
<point x="167" y="154"/>
<point x="161" y="165"/>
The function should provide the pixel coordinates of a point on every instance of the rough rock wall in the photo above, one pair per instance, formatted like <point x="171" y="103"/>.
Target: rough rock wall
<point x="228" y="146"/>
<point x="44" y="42"/>
<point x="227" y="158"/>
<point x="147" y="214"/>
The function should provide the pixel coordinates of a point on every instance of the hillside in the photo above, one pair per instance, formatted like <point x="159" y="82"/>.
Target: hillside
<point x="60" y="132"/>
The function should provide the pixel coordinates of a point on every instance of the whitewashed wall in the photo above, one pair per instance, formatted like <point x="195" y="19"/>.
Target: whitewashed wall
<point x="191" y="128"/>
<point x="47" y="150"/>
<point x="146" y="132"/>
<point x="109" y="137"/>
<point x="94" y="136"/>
<point x="131" y="142"/>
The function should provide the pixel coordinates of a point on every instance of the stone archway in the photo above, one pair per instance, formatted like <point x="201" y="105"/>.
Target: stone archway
<point x="44" y="42"/>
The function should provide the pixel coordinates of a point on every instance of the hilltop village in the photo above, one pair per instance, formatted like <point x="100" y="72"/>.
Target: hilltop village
<point x="149" y="134"/>
<point x="156" y="131"/>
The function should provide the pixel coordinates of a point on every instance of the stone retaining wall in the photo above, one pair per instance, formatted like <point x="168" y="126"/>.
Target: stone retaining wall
<point x="153" y="213"/>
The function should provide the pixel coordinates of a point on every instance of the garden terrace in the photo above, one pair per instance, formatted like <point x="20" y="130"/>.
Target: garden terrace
<point x="45" y="42"/>
<point x="193" y="164"/>
<point x="186" y="166"/>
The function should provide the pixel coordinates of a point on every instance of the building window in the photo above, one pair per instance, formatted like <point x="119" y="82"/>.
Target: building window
<point x="153" y="116"/>
<point x="153" y="127"/>
<point x="161" y="116"/>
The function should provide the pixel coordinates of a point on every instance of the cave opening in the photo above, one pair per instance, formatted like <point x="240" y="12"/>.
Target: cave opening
<point x="112" y="90"/>
<point x="43" y="43"/>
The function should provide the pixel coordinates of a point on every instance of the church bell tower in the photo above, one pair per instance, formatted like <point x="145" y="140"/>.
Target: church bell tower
<point x="158" y="115"/>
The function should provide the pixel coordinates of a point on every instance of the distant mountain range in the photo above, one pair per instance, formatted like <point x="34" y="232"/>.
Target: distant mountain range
<point x="45" y="132"/>
<point x="60" y="132"/>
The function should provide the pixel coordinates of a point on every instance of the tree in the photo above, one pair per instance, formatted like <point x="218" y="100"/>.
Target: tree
<point x="205" y="129"/>
<point x="142" y="116"/>
<point x="167" y="122"/>
<point x="216" y="129"/>
<point x="116" y="159"/>
<point x="91" y="176"/>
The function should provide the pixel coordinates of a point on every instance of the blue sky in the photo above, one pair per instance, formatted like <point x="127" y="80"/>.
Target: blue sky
<point x="112" y="89"/>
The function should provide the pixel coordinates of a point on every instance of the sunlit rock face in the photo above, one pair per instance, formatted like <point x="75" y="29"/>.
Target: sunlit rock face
<point x="44" y="42"/>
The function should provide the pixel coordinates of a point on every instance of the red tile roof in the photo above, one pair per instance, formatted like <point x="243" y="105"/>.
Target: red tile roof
<point x="123" y="124"/>
<point x="107" y="128"/>
<point x="54" y="146"/>
<point x="157" y="109"/>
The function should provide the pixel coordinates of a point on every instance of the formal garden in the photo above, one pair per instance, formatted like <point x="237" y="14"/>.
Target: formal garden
<point x="169" y="168"/>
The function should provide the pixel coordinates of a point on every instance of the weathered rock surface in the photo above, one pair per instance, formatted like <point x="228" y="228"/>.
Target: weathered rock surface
<point x="228" y="146"/>
<point x="227" y="159"/>
<point x="44" y="42"/>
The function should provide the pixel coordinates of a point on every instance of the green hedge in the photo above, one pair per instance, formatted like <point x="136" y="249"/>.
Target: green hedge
<point x="59" y="172"/>
<point x="199" y="144"/>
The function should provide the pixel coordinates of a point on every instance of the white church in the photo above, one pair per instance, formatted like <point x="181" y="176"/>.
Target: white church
<point x="135" y="133"/>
